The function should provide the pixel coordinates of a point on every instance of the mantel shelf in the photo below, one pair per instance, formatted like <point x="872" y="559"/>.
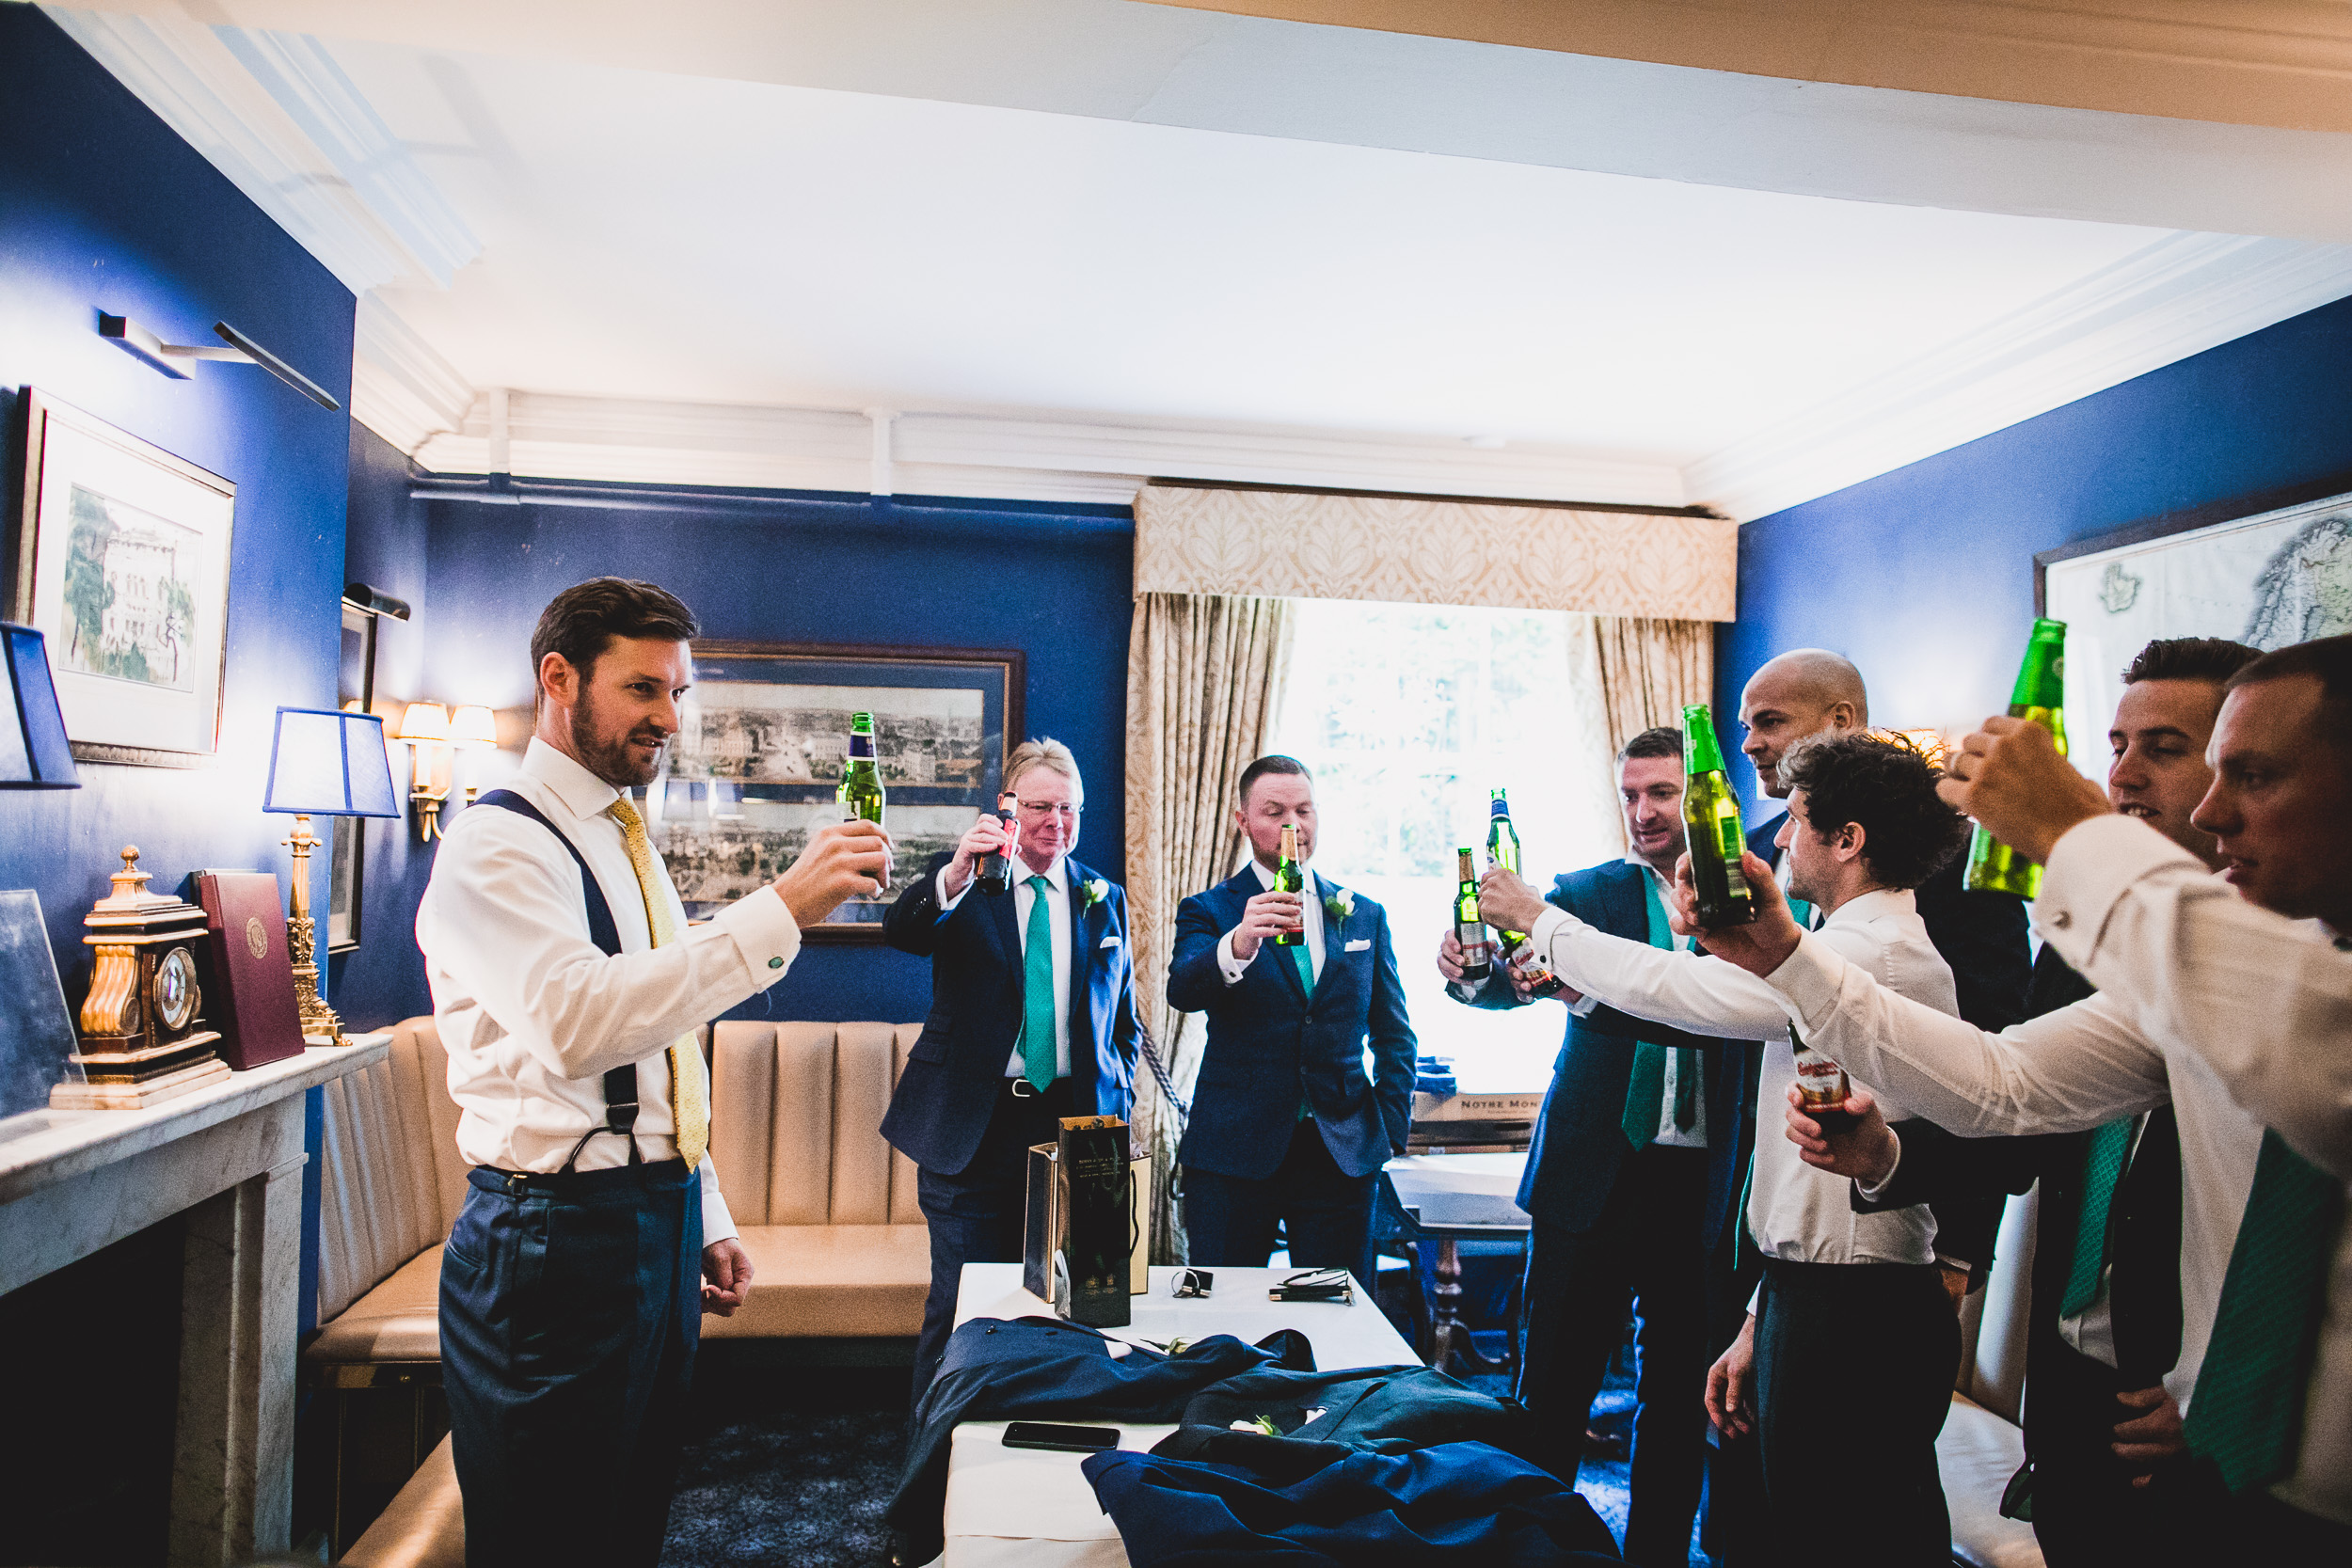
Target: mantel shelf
<point x="57" y="1146"/>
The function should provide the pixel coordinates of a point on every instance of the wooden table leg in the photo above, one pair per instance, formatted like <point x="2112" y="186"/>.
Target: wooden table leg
<point x="1448" y="1333"/>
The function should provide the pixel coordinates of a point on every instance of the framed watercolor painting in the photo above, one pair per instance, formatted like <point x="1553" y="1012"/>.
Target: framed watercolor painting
<point x="120" y="559"/>
<point x="762" y="738"/>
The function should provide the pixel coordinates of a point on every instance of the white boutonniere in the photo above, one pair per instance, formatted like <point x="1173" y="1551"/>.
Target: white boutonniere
<point x="1340" y="904"/>
<point x="1097" y="890"/>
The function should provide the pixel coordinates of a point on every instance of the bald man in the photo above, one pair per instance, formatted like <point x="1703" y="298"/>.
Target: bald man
<point x="1981" y="935"/>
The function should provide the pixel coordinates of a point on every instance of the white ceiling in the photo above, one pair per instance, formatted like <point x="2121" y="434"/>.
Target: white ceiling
<point x="704" y="236"/>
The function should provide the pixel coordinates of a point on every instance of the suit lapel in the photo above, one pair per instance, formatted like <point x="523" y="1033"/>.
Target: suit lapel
<point x="1081" y="975"/>
<point x="1627" y="908"/>
<point x="1006" y="924"/>
<point x="1241" y="887"/>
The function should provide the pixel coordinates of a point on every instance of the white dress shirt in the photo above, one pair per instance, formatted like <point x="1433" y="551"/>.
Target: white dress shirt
<point x="1795" y="1212"/>
<point x="1694" y="1136"/>
<point x="534" y="1015"/>
<point x="1057" y="918"/>
<point x="2073" y="1069"/>
<point x="1232" y="969"/>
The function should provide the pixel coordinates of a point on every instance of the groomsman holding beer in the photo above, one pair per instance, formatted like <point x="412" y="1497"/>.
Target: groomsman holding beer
<point x="1032" y="1019"/>
<point x="1286" y="1124"/>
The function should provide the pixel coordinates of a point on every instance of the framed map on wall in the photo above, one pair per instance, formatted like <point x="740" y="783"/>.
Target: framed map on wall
<point x="762" y="738"/>
<point x="2268" y="580"/>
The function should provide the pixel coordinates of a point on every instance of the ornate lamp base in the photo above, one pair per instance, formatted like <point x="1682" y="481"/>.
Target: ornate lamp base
<point x="319" y="1026"/>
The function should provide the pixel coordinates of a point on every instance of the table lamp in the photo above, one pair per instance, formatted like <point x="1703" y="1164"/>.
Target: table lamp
<point x="33" y="750"/>
<point x="321" y="764"/>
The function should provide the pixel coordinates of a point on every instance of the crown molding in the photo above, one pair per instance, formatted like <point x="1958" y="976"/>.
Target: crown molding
<point x="622" y="440"/>
<point x="2180" y="296"/>
<point x="273" y="114"/>
<point x="401" y="387"/>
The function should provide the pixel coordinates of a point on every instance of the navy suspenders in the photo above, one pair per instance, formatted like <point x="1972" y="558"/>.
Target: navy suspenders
<point x="620" y="1084"/>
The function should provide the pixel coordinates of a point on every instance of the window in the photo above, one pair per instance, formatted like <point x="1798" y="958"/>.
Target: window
<point x="1408" y="715"/>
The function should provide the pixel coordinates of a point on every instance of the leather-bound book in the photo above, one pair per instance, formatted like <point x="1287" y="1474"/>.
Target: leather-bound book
<point x="249" y="989"/>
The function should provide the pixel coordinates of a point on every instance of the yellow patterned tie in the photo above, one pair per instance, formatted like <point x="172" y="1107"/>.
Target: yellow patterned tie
<point x="690" y="1097"/>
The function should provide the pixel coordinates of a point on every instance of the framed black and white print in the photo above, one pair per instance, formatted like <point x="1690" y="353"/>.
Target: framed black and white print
<point x="764" y="734"/>
<point x="120" y="559"/>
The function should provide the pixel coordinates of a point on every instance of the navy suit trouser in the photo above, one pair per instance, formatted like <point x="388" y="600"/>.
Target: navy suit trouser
<point x="979" y="1214"/>
<point x="1647" y="1247"/>
<point x="1853" y="1378"/>
<point x="1229" y="1220"/>
<point x="570" y="1309"/>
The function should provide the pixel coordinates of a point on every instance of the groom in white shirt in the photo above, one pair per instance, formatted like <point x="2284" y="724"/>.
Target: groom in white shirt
<point x="566" y="988"/>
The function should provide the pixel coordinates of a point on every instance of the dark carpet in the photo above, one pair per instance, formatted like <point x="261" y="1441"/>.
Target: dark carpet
<point x="795" y="1464"/>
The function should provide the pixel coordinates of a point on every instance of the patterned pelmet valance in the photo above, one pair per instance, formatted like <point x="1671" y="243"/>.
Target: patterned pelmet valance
<point x="1415" y="550"/>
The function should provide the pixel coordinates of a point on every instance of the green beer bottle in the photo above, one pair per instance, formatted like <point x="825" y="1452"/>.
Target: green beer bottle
<point x="1290" y="877"/>
<point x="1469" y="929"/>
<point x="2040" y="697"/>
<point x="860" y="793"/>
<point x="1502" y="849"/>
<point x="1711" y="825"/>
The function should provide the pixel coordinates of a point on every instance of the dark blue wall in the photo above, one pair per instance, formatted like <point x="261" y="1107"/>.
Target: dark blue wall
<point x="1054" y="581"/>
<point x="104" y="208"/>
<point x="1924" y="577"/>
<point x="382" y="980"/>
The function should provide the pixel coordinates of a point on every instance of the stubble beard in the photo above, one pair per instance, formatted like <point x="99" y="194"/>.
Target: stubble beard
<point x="610" y="759"/>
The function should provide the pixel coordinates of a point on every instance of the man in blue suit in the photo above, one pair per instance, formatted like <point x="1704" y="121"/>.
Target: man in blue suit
<point x="1284" y="1124"/>
<point x="1631" y="1179"/>
<point x="1033" y="1019"/>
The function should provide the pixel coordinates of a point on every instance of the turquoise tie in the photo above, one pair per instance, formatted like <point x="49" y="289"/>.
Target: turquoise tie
<point x="1037" y="1055"/>
<point x="2247" y="1412"/>
<point x="1305" y="960"/>
<point x="2103" y="1167"/>
<point x="1645" y="1091"/>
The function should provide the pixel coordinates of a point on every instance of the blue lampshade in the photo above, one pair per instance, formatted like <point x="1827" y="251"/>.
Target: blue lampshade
<point x="33" y="750"/>
<point x="323" y="762"/>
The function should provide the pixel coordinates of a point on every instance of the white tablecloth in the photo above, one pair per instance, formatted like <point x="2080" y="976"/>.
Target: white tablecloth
<point x="1023" y="1508"/>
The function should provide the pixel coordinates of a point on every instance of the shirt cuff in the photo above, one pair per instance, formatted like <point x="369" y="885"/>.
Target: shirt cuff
<point x="766" y="936"/>
<point x="1870" y="1194"/>
<point x="1810" y="978"/>
<point x="2091" y="870"/>
<point x="946" y="905"/>
<point x="1232" y="968"/>
<point x="717" y="1224"/>
<point x="1755" y="1300"/>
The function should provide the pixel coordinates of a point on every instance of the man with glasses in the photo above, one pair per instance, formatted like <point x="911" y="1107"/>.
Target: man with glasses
<point x="1032" y="1019"/>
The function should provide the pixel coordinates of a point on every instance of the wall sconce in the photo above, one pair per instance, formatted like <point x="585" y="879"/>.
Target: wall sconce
<point x="1930" y="742"/>
<point x="429" y="729"/>
<point x="152" y="351"/>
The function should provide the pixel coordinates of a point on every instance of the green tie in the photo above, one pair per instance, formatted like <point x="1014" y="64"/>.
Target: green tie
<point x="1646" y="1088"/>
<point x="2103" y="1167"/>
<point x="1305" y="960"/>
<point x="2247" y="1412"/>
<point x="1037" y="990"/>
<point x="1803" y="911"/>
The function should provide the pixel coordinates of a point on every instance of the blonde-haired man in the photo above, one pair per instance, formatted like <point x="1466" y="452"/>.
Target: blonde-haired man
<point x="1033" y="1019"/>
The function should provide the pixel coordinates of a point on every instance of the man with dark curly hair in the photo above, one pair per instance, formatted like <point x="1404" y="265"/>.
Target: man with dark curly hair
<point x="1844" y="1366"/>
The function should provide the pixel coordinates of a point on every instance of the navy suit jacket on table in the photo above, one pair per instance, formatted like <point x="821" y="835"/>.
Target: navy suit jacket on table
<point x="1579" y="1140"/>
<point x="1268" y="1041"/>
<point x="947" y="1090"/>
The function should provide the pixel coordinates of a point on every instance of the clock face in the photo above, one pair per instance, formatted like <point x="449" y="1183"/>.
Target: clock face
<point x="176" y="994"/>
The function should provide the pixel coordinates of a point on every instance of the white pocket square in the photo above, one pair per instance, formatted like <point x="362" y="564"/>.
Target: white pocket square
<point x="1359" y="944"/>
<point x="1111" y="941"/>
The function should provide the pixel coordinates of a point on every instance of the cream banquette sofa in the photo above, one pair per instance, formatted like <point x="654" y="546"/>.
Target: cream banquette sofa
<point x="826" y="1208"/>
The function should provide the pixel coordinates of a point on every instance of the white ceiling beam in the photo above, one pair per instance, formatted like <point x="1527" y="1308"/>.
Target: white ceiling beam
<point x="1724" y="122"/>
<point x="277" y="117"/>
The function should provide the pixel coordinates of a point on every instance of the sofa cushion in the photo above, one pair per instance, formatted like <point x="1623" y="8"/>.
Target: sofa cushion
<point x="1978" y="1453"/>
<point x="398" y="1320"/>
<point x="425" y="1524"/>
<point x="831" y="1281"/>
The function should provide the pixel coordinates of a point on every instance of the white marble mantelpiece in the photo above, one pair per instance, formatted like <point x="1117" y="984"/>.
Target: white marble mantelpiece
<point x="230" y="1157"/>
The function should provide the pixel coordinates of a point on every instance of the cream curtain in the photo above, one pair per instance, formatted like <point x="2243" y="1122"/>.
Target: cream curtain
<point x="1650" y="671"/>
<point x="1205" y="679"/>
